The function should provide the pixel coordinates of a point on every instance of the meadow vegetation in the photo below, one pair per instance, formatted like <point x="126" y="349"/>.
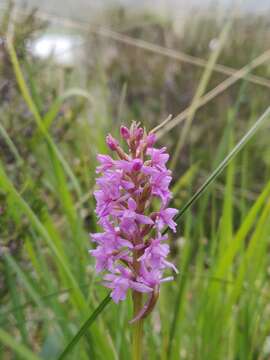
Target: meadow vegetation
<point x="53" y="122"/>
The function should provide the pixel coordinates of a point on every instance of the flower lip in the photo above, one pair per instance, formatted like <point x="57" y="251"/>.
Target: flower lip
<point x="137" y="165"/>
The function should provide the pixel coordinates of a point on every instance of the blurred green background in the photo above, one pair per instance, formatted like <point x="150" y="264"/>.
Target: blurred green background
<point x="71" y="73"/>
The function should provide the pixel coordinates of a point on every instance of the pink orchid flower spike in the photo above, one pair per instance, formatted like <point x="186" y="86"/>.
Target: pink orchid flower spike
<point x="131" y="252"/>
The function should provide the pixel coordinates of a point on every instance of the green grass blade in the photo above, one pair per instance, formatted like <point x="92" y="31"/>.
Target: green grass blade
<point x="250" y="252"/>
<point x="56" y="106"/>
<point x="185" y="179"/>
<point x="6" y="185"/>
<point x="22" y="277"/>
<point x="30" y="302"/>
<point x="238" y="147"/>
<point x="11" y="145"/>
<point x="82" y="331"/>
<point x="32" y="107"/>
<point x="239" y="238"/>
<point x="15" y="296"/>
<point x="205" y="78"/>
<point x="20" y="349"/>
<point x="205" y="185"/>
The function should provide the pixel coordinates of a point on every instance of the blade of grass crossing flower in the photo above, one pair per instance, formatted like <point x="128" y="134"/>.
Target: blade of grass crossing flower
<point x="82" y="331"/>
<point x="225" y="162"/>
<point x="223" y="231"/>
<point x="225" y="145"/>
<point x="185" y="179"/>
<point x="203" y="188"/>
<point x="200" y="223"/>
<point x="226" y="222"/>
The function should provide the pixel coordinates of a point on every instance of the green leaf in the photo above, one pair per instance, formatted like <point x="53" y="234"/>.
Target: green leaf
<point x="202" y="86"/>
<point x="7" y="186"/>
<point x="82" y="331"/>
<point x="56" y="106"/>
<point x="238" y="147"/>
<point x="199" y="193"/>
<point x="11" y="145"/>
<point x="32" y="107"/>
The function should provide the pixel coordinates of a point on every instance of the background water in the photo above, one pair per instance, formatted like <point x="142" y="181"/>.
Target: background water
<point x="178" y="11"/>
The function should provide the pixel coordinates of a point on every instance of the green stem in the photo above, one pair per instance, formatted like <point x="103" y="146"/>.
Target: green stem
<point x="137" y="328"/>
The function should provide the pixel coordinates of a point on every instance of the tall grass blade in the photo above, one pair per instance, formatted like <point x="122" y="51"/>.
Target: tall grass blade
<point x="11" y="145"/>
<point x="203" y="188"/>
<point x="22" y="277"/>
<point x="204" y="81"/>
<point x="242" y="233"/>
<point x="220" y="88"/>
<point x="30" y="302"/>
<point x="83" y="330"/>
<point x="6" y="185"/>
<point x="56" y="106"/>
<point x="32" y="107"/>
<point x="238" y="147"/>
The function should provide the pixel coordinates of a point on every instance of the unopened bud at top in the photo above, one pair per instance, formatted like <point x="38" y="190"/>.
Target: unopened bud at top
<point x="138" y="133"/>
<point x="111" y="142"/>
<point x="124" y="131"/>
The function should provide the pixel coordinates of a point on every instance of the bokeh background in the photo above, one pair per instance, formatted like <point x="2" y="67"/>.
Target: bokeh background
<point x="70" y="72"/>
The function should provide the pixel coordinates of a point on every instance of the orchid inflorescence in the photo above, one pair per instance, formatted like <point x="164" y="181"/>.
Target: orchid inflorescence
<point x="131" y="250"/>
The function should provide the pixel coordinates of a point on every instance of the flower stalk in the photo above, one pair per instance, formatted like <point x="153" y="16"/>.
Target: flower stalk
<point x="137" y="327"/>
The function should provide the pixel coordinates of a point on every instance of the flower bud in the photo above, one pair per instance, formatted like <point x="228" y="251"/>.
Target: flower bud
<point x="138" y="133"/>
<point x="111" y="142"/>
<point x="124" y="131"/>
